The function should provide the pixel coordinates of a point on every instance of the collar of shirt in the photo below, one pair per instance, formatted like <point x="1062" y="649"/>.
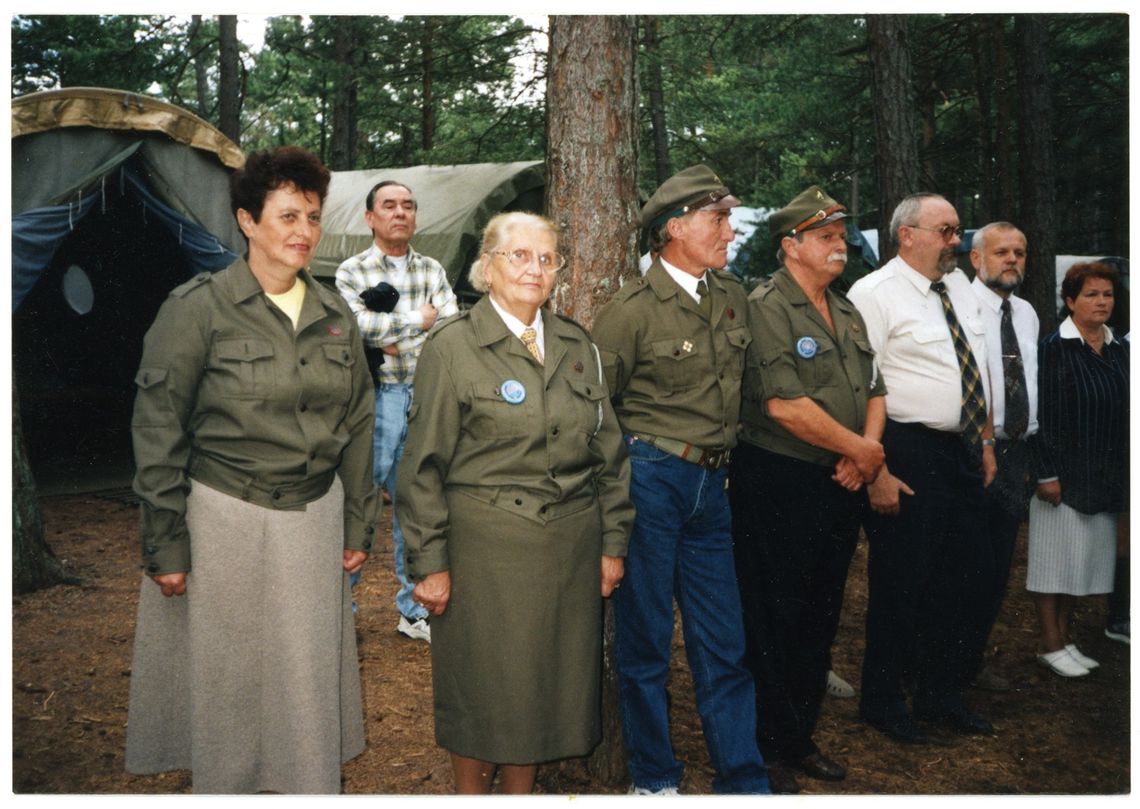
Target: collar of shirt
<point x="1069" y="331"/>
<point x="515" y="325"/>
<point x="684" y="280"/>
<point x="398" y="263"/>
<point x="986" y="296"/>
<point x="920" y="281"/>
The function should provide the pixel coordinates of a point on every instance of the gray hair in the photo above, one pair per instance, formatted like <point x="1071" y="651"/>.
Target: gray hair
<point x="659" y="237"/>
<point x="906" y="212"/>
<point x="980" y="235"/>
<point x="496" y="232"/>
<point x="780" y="254"/>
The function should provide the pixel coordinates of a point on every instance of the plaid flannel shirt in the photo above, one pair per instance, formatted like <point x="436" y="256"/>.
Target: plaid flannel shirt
<point x="424" y="281"/>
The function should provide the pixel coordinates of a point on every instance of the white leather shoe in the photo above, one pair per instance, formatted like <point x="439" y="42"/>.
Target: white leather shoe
<point x="1083" y="659"/>
<point x="1062" y="663"/>
<point x="838" y="687"/>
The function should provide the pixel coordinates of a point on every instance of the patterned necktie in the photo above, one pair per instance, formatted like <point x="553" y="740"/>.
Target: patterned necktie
<point x="973" y="419"/>
<point x="1016" y="396"/>
<point x="705" y="303"/>
<point x="530" y="340"/>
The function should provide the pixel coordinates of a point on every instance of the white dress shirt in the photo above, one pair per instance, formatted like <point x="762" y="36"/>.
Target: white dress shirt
<point x="913" y="347"/>
<point x="1026" y="326"/>
<point x="685" y="280"/>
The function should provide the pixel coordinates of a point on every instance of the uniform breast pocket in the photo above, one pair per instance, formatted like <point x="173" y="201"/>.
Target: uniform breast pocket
<point x="818" y="370"/>
<point x="679" y="363"/>
<point x="491" y="415"/>
<point x="738" y="340"/>
<point x="243" y="367"/>
<point x="586" y="399"/>
<point x="338" y="369"/>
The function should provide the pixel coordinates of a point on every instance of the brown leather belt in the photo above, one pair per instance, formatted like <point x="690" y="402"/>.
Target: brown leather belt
<point x="708" y="458"/>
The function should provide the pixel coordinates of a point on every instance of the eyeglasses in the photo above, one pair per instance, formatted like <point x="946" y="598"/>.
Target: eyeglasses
<point x="522" y="257"/>
<point x="946" y="231"/>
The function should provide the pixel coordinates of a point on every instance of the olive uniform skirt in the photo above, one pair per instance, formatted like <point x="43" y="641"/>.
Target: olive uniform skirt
<point x="516" y="655"/>
<point x="251" y="679"/>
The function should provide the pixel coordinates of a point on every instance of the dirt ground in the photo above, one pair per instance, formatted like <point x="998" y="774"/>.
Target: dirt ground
<point x="72" y="663"/>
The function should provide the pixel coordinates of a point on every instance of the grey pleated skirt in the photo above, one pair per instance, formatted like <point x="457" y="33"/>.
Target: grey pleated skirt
<point x="251" y="679"/>
<point x="1070" y="552"/>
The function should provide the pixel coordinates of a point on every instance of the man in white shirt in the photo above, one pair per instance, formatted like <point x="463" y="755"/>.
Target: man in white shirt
<point x="925" y="529"/>
<point x="1012" y="328"/>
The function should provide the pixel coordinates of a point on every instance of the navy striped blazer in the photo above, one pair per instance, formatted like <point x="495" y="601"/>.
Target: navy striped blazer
<point x="1083" y="413"/>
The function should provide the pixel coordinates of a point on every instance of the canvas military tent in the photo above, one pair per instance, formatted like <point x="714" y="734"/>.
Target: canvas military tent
<point x="455" y="203"/>
<point x="116" y="199"/>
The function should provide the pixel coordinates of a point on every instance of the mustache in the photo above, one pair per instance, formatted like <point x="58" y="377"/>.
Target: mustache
<point x="840" y="257"/>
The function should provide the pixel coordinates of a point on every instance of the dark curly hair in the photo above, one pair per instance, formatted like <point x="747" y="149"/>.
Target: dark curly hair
<point x="267" y="171"/>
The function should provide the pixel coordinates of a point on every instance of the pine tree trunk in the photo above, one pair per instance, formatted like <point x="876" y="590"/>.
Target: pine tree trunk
<point x="591" y="195"/>
<point x="896" y="127"/>
<point x="1035" y="139"/>
<point x="34" y="566"/>
<point x="656" y="96"/>
<point x="229" y="79"/>
<point x="342" y="144"/>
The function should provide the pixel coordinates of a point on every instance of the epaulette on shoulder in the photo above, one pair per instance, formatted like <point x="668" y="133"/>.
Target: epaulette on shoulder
<point x="763" y="289"/>
<point x="572" y="322"/>
<point x="448" y="322"/>
<point x="631" y="288"/>
<point x="182" y="290"/>
<point x="727" y="275"/>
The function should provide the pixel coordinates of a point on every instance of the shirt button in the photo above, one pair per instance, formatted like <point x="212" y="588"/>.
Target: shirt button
<point x="368" y="544"/>
<point x="518" y="501"/>
<point x="152" y="568"/>
<point x="276" y="495"/>
<point x="151" y="549"/>
<point x="542" y="510"/>
<point x="368" y="529"/>
<point x="304" y="361"/>
<point x="312" y="456"/>
<point x="554" y="431"/>
<point x="304" y="407"/>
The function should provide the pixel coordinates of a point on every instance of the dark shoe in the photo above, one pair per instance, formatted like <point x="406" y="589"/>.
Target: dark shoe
<point x="901" y="729"/>
<point x="817" y="765"/>
<point x="989" y="680"/>
<point x="961" y="719"/>
<point x="782" y="782"/>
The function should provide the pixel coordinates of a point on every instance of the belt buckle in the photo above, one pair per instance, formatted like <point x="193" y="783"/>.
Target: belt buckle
<point x="715" y="460"/>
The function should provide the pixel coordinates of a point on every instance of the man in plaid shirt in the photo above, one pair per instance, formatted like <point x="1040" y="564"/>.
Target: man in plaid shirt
<point x="424" y="298"/>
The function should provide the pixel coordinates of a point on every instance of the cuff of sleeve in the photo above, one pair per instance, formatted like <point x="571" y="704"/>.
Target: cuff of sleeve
<point x="421" y="564"/>
<point x="165" y="543"/>
<point x="359" y="535"/>
<point x="1047" y="480"/>
<point x="615" y="544"/>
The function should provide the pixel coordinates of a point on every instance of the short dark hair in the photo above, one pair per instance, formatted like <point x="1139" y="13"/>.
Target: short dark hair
<point x="371" y="198"/>
<point x="267" y="171"/>
<point x="1076" y="276"/>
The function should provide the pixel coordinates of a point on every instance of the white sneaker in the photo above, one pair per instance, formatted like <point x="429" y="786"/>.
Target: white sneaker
<point x="1062" y="663"/>
<point x="416" y="630"/>
<point x="1120" y="630"/>
<point x="636" y="790"/>
<point x="838" y="687"/>
<point x="1083" y="659"/>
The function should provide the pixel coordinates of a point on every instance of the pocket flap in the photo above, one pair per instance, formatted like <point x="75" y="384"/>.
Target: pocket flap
<point x="338" y="353"/>
<point x="149" y="377"/>
<point x="243" y="349"/>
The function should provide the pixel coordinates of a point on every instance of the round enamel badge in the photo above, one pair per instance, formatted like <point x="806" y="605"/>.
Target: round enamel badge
<point x="512" y="391"/>
<point x="806" y="347"/>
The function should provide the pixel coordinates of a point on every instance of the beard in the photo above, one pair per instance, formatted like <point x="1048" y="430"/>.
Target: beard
<point x="946" y="262"/>
<point x="1000" y="280"/>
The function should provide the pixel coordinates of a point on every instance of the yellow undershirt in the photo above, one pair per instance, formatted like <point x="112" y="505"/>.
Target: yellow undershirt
<point x="290" y="302"/>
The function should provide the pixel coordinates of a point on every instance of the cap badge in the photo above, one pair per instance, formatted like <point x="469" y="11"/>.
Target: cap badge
<point x="806" y="347"/>
<point x="512" y="391"/>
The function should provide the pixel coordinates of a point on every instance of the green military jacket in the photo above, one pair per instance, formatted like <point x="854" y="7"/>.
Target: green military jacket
<point x="230" y="395"/>
<point x="794" y="354"/>
<point x="547" y="445"/>
<point x="674" y="374"/>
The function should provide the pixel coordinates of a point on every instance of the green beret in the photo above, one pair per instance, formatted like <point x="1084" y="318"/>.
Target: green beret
<point x="696" y="188"/>
<point x="810" y="209"/>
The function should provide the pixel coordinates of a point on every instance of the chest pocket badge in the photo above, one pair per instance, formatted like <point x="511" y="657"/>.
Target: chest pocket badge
<point x="807" y="347"/>
<point x="512" y="391"/>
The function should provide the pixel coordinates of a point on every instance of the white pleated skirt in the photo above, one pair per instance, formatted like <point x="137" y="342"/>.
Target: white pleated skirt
<point x="251" y="679"/>
<point x="1070" y="552"/>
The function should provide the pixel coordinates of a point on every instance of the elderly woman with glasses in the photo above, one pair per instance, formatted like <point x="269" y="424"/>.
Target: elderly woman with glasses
<point x="513" y="497"/>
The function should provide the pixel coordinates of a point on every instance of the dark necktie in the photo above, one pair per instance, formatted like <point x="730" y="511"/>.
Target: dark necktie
<point x="705" y="303"/>
<point x="1016" y="396"/>
<point x="973" y="419"/>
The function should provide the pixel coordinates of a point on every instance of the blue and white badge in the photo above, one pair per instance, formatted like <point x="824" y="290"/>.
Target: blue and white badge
<point x="512" y="391"/>
<point x="806" y="347"/>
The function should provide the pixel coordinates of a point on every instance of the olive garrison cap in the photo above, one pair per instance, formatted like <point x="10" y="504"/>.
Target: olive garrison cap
<point x="696" y="188"/>
<point x="812" y="208"/>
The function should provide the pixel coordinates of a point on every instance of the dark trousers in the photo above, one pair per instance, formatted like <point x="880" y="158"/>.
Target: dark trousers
<point x="794" y="532"/>
<point x="1006" y="501"/>
<point x="926" y="565"/>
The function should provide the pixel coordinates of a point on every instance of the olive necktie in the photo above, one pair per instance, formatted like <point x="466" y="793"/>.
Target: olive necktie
<point x="530" y="340"/>
<point x="705" y="303"/>
<point x="1016" y="395"/>
<point x="973" y="419"/>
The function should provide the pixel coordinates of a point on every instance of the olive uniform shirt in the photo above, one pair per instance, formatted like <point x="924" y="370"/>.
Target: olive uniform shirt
<point x="230" y="395"/>
<point x="794" y="354"/>
<point x="546" y="445"/>
<point x="672" y="373"/>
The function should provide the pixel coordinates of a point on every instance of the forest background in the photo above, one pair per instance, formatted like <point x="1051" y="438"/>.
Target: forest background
<point x="1018" y="117"/>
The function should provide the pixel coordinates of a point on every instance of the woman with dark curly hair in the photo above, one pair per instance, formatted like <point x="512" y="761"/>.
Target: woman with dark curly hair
<point x="1082" y="488"/>
<point x="252" y="435"/>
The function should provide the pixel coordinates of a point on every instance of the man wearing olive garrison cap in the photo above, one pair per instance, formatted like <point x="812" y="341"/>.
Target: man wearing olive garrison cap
<point x="673" y="344"/>
<point x="812" y="414"/>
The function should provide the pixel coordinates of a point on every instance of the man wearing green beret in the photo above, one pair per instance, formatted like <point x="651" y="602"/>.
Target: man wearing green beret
<point x="673" y="344"/>
<point x="812" y="415"/>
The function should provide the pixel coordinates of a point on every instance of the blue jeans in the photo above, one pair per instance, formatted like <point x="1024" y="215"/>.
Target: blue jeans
<point x="682" y="547"/>
<point x="392" y="404"/>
